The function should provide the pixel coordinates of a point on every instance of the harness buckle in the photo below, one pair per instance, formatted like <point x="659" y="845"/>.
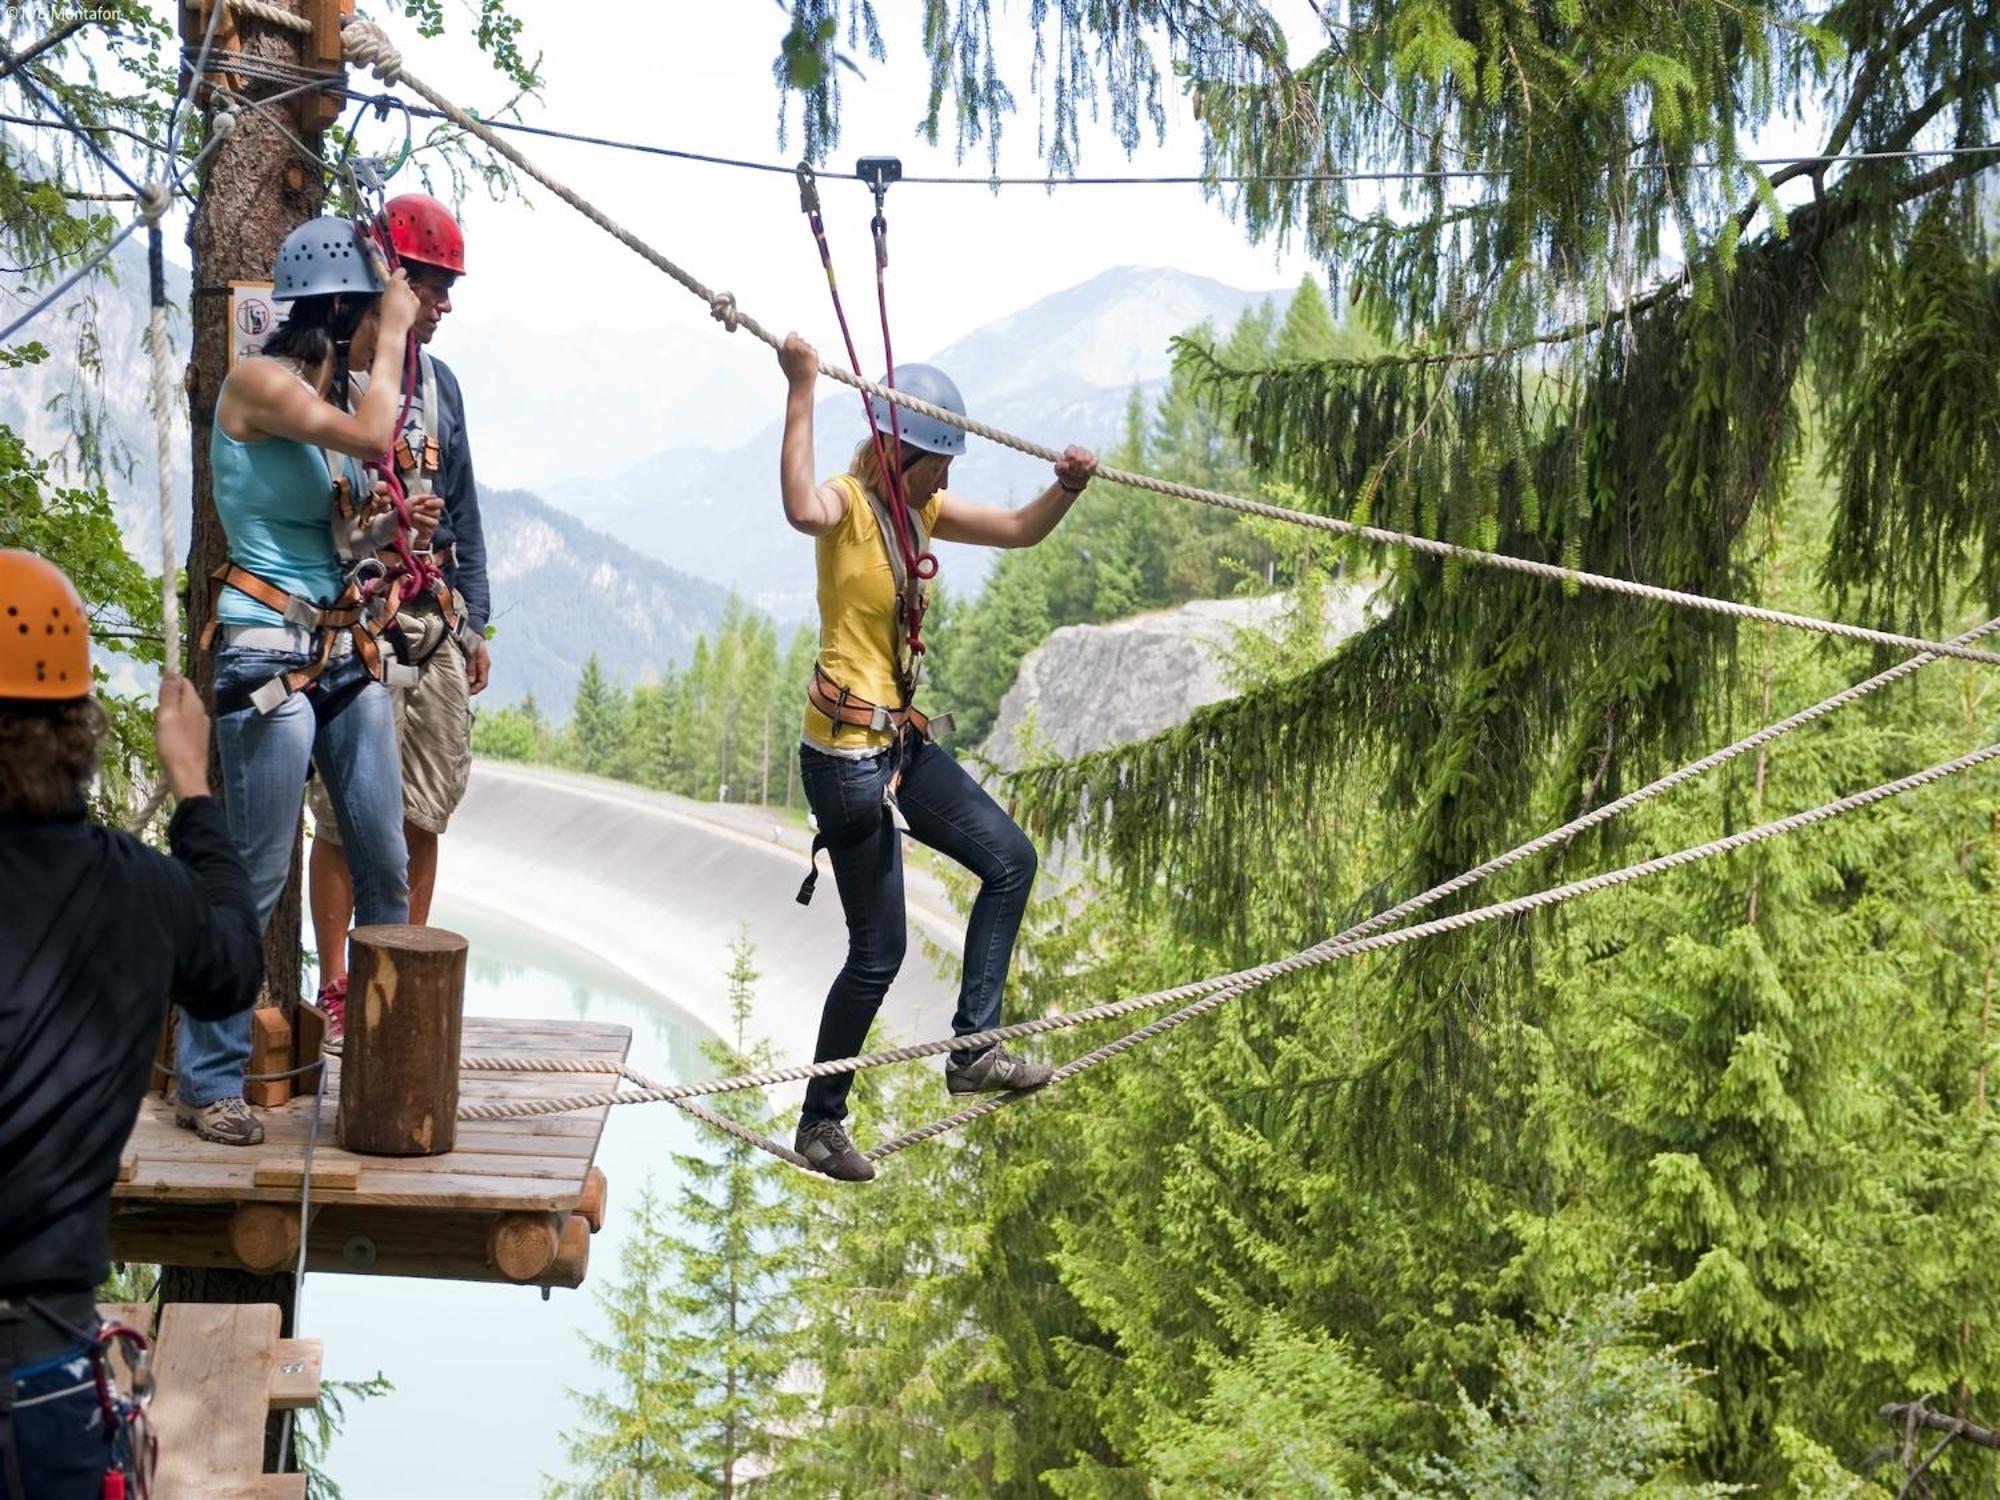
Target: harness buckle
<point x="941" y="726"/>
<point x="301" y="612"/>
<point x="880" y="720"/>
<point x="270" y="696"/>
<point x="902" y="824"/>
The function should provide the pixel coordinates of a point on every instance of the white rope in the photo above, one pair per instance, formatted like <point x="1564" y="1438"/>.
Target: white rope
<point x="366" y="44"/>
<point x="154" y="201"/>
<point x="1212" y="992"/>
<point x="276" y="15"/>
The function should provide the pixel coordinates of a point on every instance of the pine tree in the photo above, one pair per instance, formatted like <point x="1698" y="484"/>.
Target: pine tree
<point x="597" y="721"/>
<point x="634" y="1443"/>
<point x="1308" y="331"/>
<point x="738" y="1257"/>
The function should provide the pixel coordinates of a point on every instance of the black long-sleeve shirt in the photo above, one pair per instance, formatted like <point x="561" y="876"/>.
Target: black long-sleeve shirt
<point x="461" y="526"/>
<point x="97" y="933"/>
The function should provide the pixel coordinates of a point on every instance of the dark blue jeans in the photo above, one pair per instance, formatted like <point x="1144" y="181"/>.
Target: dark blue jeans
<point x="948" y="811"/>
<point x="61" y="1439"/>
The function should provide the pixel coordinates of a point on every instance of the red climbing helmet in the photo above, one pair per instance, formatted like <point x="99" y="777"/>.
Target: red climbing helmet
<point x="422" y="229"/>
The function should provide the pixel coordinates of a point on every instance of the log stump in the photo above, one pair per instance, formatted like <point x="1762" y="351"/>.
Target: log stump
<point x="399" y="1057"/>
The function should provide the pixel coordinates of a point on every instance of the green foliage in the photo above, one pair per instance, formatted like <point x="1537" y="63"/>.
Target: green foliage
<point x="703" y="1339"/>
<point x="74" y="527"/>
<point x="1588" y="1409"/>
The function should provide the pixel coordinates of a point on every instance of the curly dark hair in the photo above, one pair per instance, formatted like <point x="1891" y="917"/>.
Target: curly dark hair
<point x="48" y="755"/>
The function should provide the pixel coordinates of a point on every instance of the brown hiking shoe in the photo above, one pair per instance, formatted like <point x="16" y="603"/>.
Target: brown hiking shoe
<point x="995" y="1071"/>
<point x="227" y="1122"/>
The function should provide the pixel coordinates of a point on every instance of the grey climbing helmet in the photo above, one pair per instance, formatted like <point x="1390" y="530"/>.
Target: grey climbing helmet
<point x="926" y="383"/>
<point x="320" y="258"/>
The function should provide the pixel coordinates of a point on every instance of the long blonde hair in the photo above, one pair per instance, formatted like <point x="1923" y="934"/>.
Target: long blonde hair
<point x="866" y="465"/>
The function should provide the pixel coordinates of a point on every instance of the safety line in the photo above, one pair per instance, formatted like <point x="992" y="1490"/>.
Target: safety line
<point x="1185" y="179"/>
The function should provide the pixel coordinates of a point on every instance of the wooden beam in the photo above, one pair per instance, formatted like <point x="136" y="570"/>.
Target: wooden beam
<point x="572" y="1260"/>
<point x="522" y="1246"/>
<point x="264" y="1236"/>
<point x="295" y="1374"/>
<point x="590" y="1205"/>
<point x="270" y="1052"/>
<point x="330" y="1174"/>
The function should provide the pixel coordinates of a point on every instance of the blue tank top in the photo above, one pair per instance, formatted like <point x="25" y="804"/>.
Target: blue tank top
<point x="275" y="502"/>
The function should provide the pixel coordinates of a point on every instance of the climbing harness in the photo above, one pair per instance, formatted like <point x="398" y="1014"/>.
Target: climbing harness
<point x="36" y="1330"/>
<point x="913" y="562"/>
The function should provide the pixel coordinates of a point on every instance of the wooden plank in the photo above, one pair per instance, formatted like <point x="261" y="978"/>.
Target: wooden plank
<point x="214" y="1380"/>
<point x="270" y="1052"/>
<point x="295" y="1374"/>
<point x="332" y="1172"/>
<point x="308" y="1044"/>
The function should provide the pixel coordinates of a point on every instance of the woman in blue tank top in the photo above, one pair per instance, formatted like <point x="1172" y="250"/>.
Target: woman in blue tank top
<point x="276" y="430"/>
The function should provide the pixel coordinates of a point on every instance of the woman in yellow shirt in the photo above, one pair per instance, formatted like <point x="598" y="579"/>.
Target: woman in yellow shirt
<point x="865" y="756"/>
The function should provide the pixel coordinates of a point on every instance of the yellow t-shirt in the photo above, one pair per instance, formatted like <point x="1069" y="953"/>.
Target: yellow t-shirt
<point x="857" y="616"/>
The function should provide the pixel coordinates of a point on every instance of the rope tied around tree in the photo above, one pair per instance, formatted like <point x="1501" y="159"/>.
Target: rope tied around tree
<point x="365" y="44"/>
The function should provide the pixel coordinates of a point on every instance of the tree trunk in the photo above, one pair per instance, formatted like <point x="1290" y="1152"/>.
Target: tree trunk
<point x="399" y="1058"/>
<point x="255" y="190"/>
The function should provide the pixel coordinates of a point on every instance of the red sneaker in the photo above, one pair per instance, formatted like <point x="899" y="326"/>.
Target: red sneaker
<point x="333" y="1000"/>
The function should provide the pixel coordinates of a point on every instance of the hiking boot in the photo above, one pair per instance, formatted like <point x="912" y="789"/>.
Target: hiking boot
<point x="995" y="1071"/>
<point x="333" y="1000"/>
<point x="826" y="1146"/>
<point x="227" y="1122"/>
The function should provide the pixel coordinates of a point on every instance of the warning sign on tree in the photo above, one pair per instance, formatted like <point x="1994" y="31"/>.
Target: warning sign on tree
<point x="252" y="316"/>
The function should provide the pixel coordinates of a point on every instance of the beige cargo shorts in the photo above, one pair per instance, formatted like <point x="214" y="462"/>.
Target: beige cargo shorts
<point x="434" y="733"/>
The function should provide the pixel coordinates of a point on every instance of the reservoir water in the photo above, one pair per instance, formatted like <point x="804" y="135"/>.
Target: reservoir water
<point x="481" y="1371"/>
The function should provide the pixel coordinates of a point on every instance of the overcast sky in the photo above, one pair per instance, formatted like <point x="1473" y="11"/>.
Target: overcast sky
<point x="699" y="78"/>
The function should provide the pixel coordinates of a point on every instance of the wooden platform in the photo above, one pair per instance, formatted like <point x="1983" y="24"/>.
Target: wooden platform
<point x="219" y="1370"/>
<point x="477" y="1213"/>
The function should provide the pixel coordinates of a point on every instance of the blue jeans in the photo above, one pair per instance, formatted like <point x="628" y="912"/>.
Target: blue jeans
<point x="61" y="1440"/>
<point x="948" y="811"/>
<point x="265" y="760"/>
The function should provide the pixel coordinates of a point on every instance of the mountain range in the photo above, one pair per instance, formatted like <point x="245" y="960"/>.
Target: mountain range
<point x="635" y="567"/>
<point x="1060" y="371"/>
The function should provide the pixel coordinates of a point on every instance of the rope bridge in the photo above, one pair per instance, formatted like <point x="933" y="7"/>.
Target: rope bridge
<point x="365" y="44"/>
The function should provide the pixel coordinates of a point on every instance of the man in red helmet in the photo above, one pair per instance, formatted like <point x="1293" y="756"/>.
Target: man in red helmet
<point x="433" y="714"/>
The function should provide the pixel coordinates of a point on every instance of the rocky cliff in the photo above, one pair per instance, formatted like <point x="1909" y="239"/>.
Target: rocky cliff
<point x="1088" y="687"/>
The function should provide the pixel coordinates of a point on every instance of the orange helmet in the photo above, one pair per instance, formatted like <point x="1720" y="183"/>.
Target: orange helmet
<point x="44" y="635"/>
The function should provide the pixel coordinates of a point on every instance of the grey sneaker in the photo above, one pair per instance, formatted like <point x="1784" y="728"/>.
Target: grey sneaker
<point x="995" y="1071"/>
<point x="227" y="1122"/>
<point x="826" y="1146"/>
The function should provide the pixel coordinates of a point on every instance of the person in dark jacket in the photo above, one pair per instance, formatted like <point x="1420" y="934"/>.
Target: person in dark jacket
<point x="434" y="714"/>
<point x="97" y="934"/>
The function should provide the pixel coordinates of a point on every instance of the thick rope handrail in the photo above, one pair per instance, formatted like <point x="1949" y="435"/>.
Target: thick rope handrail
<point x="276" y="15"/>
<point x="1230" y="985"/>
<point x="366" y="44"/>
